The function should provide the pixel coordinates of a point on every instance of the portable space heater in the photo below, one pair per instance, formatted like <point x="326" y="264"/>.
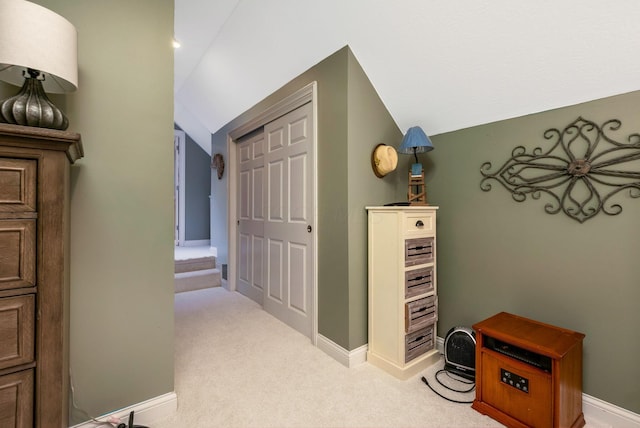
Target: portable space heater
<point x="460" y="352"/>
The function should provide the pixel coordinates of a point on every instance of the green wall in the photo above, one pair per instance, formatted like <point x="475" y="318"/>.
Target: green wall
<point x="121" y="202"/>
<point x="351" y="121"/>
<point x="369" y="124"/>
<point x="495" y="254"/>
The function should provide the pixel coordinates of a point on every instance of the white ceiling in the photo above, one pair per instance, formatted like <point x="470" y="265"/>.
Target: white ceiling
<point x="443" y="65"/>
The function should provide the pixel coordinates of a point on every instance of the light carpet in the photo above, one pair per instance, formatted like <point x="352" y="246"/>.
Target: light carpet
<point x="237" y="366"/>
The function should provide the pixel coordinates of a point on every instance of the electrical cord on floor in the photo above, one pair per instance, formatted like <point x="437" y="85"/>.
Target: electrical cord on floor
<point x="130" y="425"/>
<point x="424" y="379"/>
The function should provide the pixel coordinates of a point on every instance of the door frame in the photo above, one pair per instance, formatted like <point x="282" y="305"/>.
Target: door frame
<point x="179" y="185"/>
<point x="302" y="96"/>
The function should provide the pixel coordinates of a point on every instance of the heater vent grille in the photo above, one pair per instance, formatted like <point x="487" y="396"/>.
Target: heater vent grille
<point x="460" y="352"/>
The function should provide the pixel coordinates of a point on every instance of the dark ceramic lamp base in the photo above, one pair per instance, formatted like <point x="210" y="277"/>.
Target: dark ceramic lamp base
<point x="32" y="107"/>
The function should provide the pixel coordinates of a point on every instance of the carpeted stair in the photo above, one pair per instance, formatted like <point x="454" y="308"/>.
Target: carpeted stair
<point x="196" y="273"/>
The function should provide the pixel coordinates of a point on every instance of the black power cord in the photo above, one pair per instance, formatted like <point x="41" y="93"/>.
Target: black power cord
<point x="131" y="425"/>
<point x="424" y="379"/>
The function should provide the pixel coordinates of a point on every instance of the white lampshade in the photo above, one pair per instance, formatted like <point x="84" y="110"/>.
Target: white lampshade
<point x="32" y="36"/>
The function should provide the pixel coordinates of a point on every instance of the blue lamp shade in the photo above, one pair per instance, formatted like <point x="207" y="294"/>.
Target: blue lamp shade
<point x="415" y="141"/>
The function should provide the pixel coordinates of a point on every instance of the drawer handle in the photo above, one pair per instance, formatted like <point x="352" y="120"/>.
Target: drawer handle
<point x="419" y="223"/>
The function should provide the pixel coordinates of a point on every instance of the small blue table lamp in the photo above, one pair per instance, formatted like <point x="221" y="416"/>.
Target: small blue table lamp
<point x="415" y="141"/>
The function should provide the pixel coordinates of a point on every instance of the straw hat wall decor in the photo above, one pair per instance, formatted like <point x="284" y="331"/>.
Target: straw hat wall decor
<point x="384" y="160"/>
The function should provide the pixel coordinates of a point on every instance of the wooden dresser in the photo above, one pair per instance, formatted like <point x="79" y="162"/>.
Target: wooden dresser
<point x="403" y="301"/>
<point x="34" y="275"/>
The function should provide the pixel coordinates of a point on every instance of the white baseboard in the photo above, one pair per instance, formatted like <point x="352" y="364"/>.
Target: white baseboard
<point x="197" y="243"/>
<point x="146" y="412"/>
<point x="341" y="355"/>
<point x="600" y="414"/>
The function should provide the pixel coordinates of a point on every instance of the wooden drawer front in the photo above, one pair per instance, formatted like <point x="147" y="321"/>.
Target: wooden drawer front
<point x="17" y="253"/>
<point x="16" y="400"/>
<point x="17" y="185"/>
<point x="17" y="330"/>
<point x="534" y="407"/>
<point x="420" y="223"/>
<point x="418" y="251"/>
<point x="418" y="281"/>
<point x="419" y="342"/>
<point x="420" y="313"/>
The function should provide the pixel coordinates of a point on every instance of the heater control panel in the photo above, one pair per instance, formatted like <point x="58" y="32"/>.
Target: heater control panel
<point x="514" y="380"/>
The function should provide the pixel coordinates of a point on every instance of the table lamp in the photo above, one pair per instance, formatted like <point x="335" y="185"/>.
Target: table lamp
<point x="38" y="51"/>
<point x="416" y="141"/>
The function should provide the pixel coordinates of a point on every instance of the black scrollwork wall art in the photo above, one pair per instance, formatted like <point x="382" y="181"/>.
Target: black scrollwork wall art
<point x="581" y="171"/>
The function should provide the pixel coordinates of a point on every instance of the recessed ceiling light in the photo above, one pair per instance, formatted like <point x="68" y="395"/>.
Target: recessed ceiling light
<point x="176" y="44"/>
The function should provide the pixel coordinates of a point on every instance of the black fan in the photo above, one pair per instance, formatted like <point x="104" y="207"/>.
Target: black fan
<point x="460" y="352"/>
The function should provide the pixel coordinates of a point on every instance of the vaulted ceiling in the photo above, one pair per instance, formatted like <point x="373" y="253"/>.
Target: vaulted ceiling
<point x="443" y="65"/>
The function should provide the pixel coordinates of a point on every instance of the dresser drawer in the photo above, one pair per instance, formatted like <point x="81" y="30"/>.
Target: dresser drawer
<point x="419" y="313"/>
<point x="418" y="281"/>
<point x="17" y="328"/>
<point x="17" y="185"/>
<point x="17" y="253"/>
<point x="16" y="400"/>
<point x="418" y="251"/>
<point x="418" y="343"/>
<point x="419" y="223"/>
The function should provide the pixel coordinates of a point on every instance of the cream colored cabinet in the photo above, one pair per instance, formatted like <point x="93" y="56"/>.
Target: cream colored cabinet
<point x="403" y="301"/>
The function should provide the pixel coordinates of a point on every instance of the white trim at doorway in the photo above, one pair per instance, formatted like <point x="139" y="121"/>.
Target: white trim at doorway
<point x="197" y="243"/>
<point x="179" y="141"/>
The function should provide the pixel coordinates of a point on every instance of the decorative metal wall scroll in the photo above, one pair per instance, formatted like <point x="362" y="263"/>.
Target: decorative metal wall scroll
<point x="580" y="172"/>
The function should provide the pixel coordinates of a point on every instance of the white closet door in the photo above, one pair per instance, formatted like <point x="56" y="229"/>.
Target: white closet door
<point x="276" y="216"/>
<point x="251" y="218"/>
<point x="289" y="217"/>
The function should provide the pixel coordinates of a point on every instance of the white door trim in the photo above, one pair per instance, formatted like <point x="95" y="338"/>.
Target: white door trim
<point x="282" y="107"/>
<point x="179" y="140"/>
